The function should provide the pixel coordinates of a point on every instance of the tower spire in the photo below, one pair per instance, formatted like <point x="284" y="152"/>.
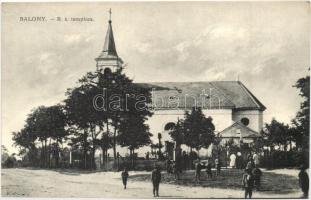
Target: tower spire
<point x="110" y="15"/>
<point x="109" y="56"/>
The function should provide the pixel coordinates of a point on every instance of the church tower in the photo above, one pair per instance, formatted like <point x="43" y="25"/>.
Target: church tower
<point x="109" y="57"/>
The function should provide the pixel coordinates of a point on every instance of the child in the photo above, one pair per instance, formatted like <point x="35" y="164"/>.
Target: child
<point x="156" y="179"/>
<point x="124" y="175"/>
<point x="248" y="183"/>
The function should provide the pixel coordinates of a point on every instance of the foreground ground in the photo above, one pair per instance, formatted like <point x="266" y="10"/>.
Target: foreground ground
<point x="46" y="183"/>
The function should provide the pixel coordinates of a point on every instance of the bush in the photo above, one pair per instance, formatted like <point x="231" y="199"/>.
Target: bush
<point x="281" y="159"/>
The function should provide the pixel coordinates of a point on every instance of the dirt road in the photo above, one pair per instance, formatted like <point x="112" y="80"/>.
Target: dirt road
<point x="46" y="183"/>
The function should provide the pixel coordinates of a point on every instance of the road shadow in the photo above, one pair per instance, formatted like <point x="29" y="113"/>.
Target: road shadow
<point x="271" y="182"/>
<point x="75" y="172"/>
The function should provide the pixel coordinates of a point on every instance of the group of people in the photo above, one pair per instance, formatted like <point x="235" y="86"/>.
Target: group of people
<point x="251" y="177"/>
<point x="201" y="165"/>
<point x="173" y="167"/>
<point x="237" y="160"/>
<point x="155" y="178"/>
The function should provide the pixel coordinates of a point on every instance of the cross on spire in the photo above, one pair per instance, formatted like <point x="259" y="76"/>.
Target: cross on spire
<point x="110" y="15"/>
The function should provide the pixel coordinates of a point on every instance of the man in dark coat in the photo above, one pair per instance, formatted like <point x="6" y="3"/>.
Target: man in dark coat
<point x="248" y="183"/>
<point x="198" y="168"/>
<point x="124" y="175"/>
<point x="209" y="170"/>
<point x="156" y="179"/>
<point x="217" y="166"/>
<point x="257" y="173"/>
<point x="304" y="181"/>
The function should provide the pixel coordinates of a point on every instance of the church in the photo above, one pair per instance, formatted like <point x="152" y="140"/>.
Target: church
<point x="237" y="114"/>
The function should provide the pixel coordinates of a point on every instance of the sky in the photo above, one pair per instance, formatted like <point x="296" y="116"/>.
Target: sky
<point x="266" y="45"/>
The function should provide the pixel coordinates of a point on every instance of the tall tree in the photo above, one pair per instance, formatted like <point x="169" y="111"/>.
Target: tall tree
<point x="176" y="131"/>
<point x="42" y="123"/>
<point x="198" y="130"/>
<point x="126" y="106"/>
<point x="302" y="120"/>
<point x="134" y="133"/>
<point x="86" y="123"/>
<point x="4" y="155"/>
<point x="278" y="134"/>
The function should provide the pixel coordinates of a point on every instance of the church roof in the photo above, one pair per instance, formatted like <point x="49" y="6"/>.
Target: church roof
<point x="236" y="129"/>
<point x="210" y="95"/>
<point x="109" y="50"/>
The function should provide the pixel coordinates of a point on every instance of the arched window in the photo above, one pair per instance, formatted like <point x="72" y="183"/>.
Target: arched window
<point x="107" y="71"/>
<point x="169" y="126"/>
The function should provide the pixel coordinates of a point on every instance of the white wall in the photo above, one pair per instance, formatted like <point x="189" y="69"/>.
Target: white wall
<point x="255" y="118"/>
<point x="221" y="119"/>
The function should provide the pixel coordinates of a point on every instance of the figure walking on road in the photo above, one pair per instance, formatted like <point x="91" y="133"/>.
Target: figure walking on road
<point x="124" y="175"/>
<point x="304" y="181"/>
<point x="156" y="179"/>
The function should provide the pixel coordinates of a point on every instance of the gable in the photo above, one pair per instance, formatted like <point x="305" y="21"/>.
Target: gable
<point x="236" y="129"/>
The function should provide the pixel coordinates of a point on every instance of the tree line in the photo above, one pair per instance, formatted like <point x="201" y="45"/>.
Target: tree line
<point x="76" y="121"/>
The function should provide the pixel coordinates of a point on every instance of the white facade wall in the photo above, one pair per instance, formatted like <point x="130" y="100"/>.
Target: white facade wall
<point x="255" y="118"/>
<point x="221" y="119"/>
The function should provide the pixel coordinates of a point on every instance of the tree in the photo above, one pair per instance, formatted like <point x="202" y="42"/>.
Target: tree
<point x="86" y="123"/>
<point x="4" y="154"/>
<point x="302" y="120"/>
<point x="25" y="140"/>
<point x="42" y="123"/>
<point x="133" y="133"/>
<point x="277" y="133"/>
<point x="176" y="131"/>
<point x="106" y="101"/>
<point x="160" y="143"/>
<point x="198" y="130"/>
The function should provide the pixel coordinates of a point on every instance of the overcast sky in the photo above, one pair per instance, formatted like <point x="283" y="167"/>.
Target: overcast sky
<point x="266" y="44"/>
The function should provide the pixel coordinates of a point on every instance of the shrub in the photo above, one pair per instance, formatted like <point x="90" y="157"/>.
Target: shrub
<point x="281" y="159"/>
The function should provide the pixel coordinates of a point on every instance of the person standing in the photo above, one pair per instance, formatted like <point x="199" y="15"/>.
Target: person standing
<point x="256" y="159"/>
<point x="304" y="181"/>
<point x="156" y="179"/>
<point x="209" y="170"/>
<point x="257" y="173"/>
<point x="217" y="166"/>
<point x="250" y="163"/>
<point x="124" y="176"/>
<point x="175" y="171"/>
<point x="168" y="166"/>
<point x="232" y="160"/>
<point x="198" y="168"/>
<point x="248" y="183"/>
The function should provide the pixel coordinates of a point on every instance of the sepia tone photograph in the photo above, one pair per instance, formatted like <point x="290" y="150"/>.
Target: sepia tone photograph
<point x="155" y="99"/>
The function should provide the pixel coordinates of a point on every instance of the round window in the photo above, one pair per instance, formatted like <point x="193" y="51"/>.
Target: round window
<point x="245" y="121"/>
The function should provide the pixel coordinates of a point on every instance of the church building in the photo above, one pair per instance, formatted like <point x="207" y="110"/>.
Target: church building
<point x="237" y="114"/>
